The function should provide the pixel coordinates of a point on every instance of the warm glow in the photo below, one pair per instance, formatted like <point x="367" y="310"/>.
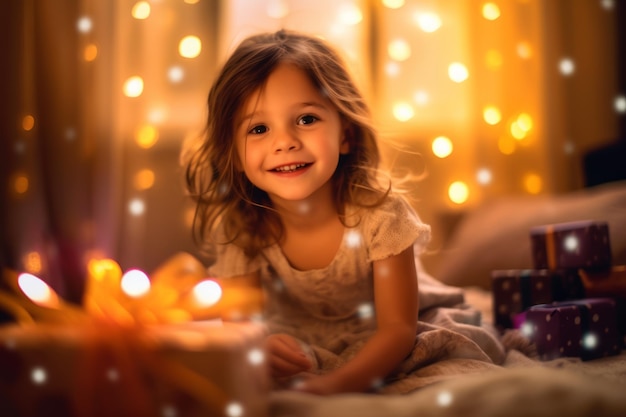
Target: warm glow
<point x="84" y="24"/>
<point x="146" y="136"/>
<point x="506" y="145"/>
<point x="207" y="292"/>
<point x="524" y="50"/>
<point x="392" y="69"/>
<point x="566" y="66"/>
<point x="421" y="97"/>
<point x="428" y="22"/>
<point x="28" y="122"/>
<point x="533" y="183"/>
<point x="442" y="146"/>
<point x="135" y="283"/>
<point x="484" y="176"/>
<point x="399" y="50"/>
<point x="458" y="192"/>
<point x="190" y="47"/>
<point x="458" y="72"/>
<point x="191" y="1"/>
<point x="175" y="74"/>
<point x="393" y="4"/>
<point x="136" y="207"/>
<point x="525" y="122"/>
<point x="516" y="131"/>
<point x="277" y="9"/>
<point x="37" y="290"/>
<point x="90" y="53"/>
<point x="350" y="14"/>
<point x="491" y="11"/>
<point x="403" y="111"/>
<point x="32" y="262"/>
<point x="491" y="115"/>
<point x="141" y="10"/>
<point x="521" y="126"/>
<point x="144" y="179"/>
<point x="101" y="268"/>
<point x="20" y="184"/>
<point x="133" y="87"/>
<point x="493" y="59"/>
<point x="620" y="104"/>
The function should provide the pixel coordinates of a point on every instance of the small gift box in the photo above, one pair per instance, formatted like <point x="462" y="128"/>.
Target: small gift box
<point x="582" y="244"/>
<point x="609" y="283"/>
<point x="585" y="328"/>
<point x="515" y="290"/>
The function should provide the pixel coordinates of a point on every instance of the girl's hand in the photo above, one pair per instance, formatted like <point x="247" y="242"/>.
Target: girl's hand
<point x="285" y="356"/>
<point x="319" y="385"/>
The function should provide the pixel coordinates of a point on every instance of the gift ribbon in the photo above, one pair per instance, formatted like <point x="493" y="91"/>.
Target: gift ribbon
<point x="550" y="247"/>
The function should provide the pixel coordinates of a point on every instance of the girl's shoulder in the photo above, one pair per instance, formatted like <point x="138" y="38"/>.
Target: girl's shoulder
<point x="391" y="227"/>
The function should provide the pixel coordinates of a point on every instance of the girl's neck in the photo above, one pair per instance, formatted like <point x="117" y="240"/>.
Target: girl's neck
<point x="313" y="212"/>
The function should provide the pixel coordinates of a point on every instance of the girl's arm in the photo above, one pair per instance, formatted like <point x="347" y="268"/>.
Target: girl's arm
<point x="396" y="301"/>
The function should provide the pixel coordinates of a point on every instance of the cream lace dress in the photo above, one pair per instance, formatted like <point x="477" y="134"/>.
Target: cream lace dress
<point x="330" y="308"/>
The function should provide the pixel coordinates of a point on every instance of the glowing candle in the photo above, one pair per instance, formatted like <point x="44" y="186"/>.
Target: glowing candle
<point x="207" y="293"/>
<point x="38" y="291"/>
<point x="135" y="283"/>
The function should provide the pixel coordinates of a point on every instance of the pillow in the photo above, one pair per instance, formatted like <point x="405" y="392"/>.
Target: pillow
<point x="497" y="235"/>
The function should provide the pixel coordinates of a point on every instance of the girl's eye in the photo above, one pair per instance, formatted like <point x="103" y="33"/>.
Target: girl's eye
<point x="258" y="130"/>
<point x="307" y="120"/>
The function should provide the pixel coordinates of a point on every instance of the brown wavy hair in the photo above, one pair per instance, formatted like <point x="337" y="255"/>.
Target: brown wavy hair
<point x="222" y="193"/>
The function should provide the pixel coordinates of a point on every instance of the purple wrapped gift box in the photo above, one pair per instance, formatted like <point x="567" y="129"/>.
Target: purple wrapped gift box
<point x="582" y="244"/>
<point x="585" y="328"/>
<point x="515" y="290"/>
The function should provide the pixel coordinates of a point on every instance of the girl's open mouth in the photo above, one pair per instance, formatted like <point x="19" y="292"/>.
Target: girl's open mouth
<point x="290" y="168"/>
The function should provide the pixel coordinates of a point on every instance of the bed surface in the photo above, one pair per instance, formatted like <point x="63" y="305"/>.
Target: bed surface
<point x="522" y="386"/>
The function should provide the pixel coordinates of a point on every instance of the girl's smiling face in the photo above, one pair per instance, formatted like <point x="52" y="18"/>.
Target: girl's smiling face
<point x="289" y="136"/>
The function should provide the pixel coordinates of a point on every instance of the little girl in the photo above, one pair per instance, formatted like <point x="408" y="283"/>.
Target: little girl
<point x="288" y="191"/>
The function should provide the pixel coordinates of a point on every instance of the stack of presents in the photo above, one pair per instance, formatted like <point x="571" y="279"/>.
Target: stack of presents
<point x="572" y="302"/>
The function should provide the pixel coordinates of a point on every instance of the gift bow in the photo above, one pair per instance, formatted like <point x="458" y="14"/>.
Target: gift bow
<point x="178" y="291"/>
<point x="118" y="308"/>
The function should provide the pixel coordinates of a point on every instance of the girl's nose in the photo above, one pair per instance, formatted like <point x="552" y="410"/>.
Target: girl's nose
<point x="285" y="142"/>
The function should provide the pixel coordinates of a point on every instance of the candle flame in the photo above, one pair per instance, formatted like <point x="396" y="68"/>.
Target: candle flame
<point x="207" y="292"/>
<point x="37" y="290"/>
<point x="135" y="283"/>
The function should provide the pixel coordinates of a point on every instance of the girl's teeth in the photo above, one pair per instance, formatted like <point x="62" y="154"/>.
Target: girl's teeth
<point x="287" y="168"/>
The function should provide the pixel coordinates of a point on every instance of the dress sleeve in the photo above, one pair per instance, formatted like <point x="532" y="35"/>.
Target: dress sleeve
<point x="392" y="228"/>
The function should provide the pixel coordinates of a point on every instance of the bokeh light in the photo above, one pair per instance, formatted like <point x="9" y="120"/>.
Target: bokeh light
<point x="403" y="111"/>
<point x="146" y="136"/>
<point x="207" y="292"/>
<point x="393" y="4"/>
<point x="28" y="122"/>
<point x="533" y="183"/>
<point x="399" y="50"/>
<point x="442" y="146"/>
<point x="490" y="11"/>
<point x="190" y="47"/>
<point x="141" y="10"/>
<point x="491" y="115"/>
<point x="133" y="86"/>
<point x="458" y="72"/>
<point x="136" y="207"/>
<point x="428" y="22"/>
<point x="567" y="66"/>
<point x="90" y="52"/>
<point x="458" y="192"/>
<point x="144" y="179"/>
<point x="135" y="283"/>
